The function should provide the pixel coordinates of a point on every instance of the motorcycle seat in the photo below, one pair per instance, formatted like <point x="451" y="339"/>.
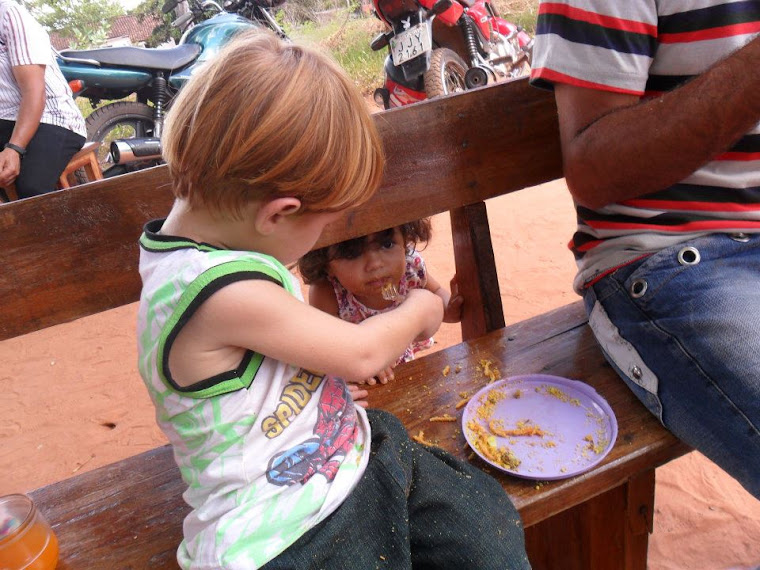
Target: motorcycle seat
<point x="145" y="58"/>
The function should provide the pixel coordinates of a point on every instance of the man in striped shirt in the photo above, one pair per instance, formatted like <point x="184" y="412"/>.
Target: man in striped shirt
<point x="658" y="110"/>
<point x="41" y="127"/>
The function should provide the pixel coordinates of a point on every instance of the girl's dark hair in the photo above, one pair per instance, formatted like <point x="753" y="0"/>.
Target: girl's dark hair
<point x="313" y="265"/>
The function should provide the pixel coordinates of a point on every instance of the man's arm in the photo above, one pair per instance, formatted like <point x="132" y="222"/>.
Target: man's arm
<point x="616" y="148"/>
<point x="31" y="82"/>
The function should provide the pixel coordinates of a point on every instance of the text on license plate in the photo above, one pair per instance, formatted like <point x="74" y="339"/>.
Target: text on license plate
<point x="411" y="43"/>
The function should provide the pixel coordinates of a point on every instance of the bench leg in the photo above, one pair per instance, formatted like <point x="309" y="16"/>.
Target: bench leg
<point x="608" y="531"/>
<point x="476" y="271"/>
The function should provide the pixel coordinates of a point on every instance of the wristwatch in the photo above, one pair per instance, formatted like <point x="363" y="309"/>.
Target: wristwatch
<point x="19" y="149"/>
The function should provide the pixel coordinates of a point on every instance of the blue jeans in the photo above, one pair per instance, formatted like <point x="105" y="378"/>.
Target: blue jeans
<point x="415" y="507"/>
<point x="682" y="328"/>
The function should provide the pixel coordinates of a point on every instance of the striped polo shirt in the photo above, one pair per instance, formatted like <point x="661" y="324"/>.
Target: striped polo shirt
<point x="24" y="42"/>
<point x="645" y="48"/>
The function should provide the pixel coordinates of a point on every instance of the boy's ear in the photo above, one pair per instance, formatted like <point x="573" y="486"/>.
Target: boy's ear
<point x="275" y="211"/>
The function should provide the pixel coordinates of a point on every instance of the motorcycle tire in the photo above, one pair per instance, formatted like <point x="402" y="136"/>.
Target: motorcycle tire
<point x="446" y="73"/>
<point x="119" y="120"/>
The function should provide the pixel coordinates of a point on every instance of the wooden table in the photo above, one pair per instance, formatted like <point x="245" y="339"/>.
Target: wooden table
<point x="129" y="514"/>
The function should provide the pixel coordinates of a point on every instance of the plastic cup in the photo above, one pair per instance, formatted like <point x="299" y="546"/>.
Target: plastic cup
<point x="26" y="540"/>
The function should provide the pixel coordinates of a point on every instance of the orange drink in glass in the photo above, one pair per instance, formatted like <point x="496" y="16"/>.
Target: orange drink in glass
<point x="26" y="540"/>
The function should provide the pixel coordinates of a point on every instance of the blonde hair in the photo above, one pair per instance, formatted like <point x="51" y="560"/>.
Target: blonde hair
<point x="266" y="118"/>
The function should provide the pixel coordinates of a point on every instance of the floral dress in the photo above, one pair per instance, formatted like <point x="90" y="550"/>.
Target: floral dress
<point x="354" y="311"/>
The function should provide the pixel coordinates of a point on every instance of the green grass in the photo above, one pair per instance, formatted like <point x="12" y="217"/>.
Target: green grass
<point x="520" y="12"/>
<point x="347" y="38"/>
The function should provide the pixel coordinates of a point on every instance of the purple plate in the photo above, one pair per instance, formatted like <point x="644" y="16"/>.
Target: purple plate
<point x="579" y="427"/>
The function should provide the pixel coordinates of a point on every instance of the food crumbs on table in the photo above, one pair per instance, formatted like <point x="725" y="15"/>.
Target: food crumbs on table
<point x="420" y="438"/>
<point x="443" y="418"/>
<point x="446" y="370"/>
<point x="490" y="370"/>
<point x="461" y="403"/>
<point x="382" y="557"/>
<point x="457" y="369"/>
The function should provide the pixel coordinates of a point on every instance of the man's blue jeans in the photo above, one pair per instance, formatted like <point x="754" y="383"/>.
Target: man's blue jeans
<point x="682" y="328"/>
<point x="415" y="507"/>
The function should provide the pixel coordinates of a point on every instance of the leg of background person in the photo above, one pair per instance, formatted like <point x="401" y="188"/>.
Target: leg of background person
<point x="46" y="157"/>
<point x="685" y="336"/>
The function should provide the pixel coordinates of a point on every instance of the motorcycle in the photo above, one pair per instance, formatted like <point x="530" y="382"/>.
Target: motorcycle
<point x="437" y="47"/>
<point x="131" y="130"/>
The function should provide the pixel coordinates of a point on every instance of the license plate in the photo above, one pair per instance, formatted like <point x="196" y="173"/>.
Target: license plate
<point x="411" y="43"/>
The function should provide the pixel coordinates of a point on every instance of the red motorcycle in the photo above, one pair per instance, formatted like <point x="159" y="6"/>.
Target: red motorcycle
<point x="437" y="47"/>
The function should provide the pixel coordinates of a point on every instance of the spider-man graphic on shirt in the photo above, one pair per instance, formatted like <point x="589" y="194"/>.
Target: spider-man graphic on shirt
<point x="334" y="435"/>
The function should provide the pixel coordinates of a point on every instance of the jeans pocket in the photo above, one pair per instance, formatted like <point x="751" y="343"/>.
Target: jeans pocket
<point x="626" y="360"/>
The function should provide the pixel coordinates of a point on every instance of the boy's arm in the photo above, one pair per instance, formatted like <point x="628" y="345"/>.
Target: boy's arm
<point x="322" y="297"/>
<point x="263" y="317"/>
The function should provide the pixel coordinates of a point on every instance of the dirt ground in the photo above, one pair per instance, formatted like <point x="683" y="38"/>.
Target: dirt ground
<point x="72" y="399"/>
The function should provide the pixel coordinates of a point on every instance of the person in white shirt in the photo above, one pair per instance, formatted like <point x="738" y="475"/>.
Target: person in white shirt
<point x="41" y="127"/>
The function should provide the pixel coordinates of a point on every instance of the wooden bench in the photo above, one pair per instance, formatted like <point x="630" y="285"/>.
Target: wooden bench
<point x="443" y="155"/>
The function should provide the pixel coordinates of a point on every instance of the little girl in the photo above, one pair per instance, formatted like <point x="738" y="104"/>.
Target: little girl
<point x="365" y="276"/>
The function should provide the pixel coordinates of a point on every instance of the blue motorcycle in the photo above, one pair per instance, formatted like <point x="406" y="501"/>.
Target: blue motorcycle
<point x="130" y="130"/>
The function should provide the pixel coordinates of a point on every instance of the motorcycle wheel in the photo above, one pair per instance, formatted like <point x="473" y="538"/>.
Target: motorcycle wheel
<point x="120" y="120"/>
<point x="446" y="73"/>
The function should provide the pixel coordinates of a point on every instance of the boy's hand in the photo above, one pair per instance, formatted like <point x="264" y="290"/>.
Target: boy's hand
<point x="358" y="395"/>
<point x="452" y="313"/>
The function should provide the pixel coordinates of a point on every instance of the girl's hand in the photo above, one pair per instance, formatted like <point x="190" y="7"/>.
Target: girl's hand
<point x="453" y="311"/>
<point x="383" y="377"/>
<point x="358" y="395"/>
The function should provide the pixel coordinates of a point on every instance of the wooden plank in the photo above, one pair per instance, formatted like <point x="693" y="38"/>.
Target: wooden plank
<point x="135" y="507"/>
<point x="124" y="515"/>
<point x="420" y="391"/>
<point x="475" y="264"/>
<point x="73" y="253"/>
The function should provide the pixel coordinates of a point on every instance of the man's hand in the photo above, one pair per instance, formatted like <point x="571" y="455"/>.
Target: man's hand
<point x="10" y="166"/>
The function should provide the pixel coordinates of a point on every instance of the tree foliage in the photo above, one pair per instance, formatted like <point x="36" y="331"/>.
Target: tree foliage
<point x="86" y="22"/>
<point x="164" y="31"/>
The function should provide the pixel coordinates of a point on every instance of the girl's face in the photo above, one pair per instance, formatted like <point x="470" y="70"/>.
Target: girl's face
<point x="364" y="272"/>
<point x="302" y="234"/>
